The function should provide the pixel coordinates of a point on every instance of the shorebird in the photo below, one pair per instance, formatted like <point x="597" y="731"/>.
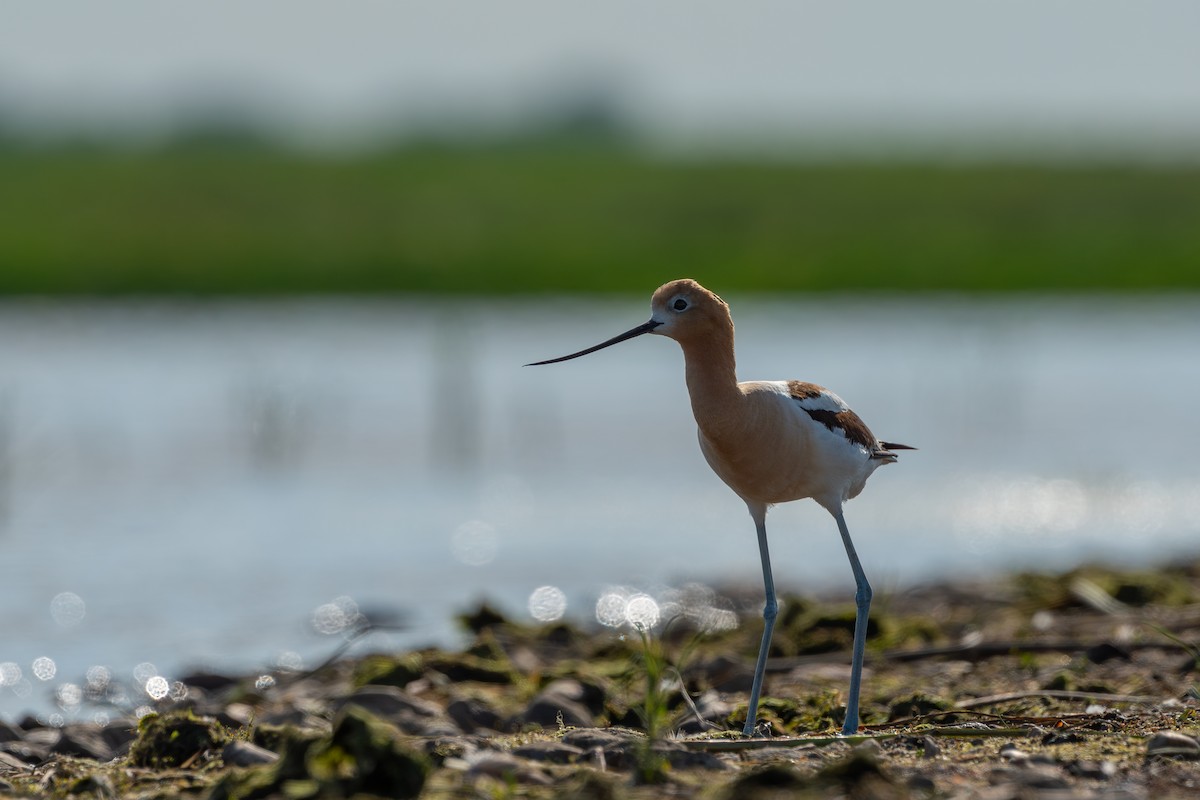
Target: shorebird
<point x="769" y="441"/>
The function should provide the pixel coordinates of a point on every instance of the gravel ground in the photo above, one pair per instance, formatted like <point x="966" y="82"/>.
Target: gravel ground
<point x="1076" y="685"/>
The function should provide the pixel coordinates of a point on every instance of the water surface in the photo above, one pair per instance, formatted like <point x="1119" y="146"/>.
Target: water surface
<point x="185" y="485"/>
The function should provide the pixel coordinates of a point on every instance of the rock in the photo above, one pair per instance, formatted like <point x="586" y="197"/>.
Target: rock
<point x="1107" y="651"/>
<point x="723" y="673"/>
<point x="1173" y="743"/>
<point x="472" y="714"/>
<point x="870" y="747"/>
<point x="10" y="733"/>
<point x="170" y="740"/>
<point x="930" y="747"/>
<point x="589" y="785"/>
<point x="1094" y="770"/>
<point x="917" y="705"/>
<point x="361" y="755"/>
<point x="387" y="701"/>
<point x="771" y="781"/>
<point x="239" y="753"/>
<point x="82" y="741"/>
<point x="411" y="715"/>
<point x="1039" y="777"/>
<point x="553" y="752"/>
<point x="208" y="681"/>
<point x="550" y="710"/>
<point x="94" y="786"/>
<point x="119" y="733"/>
<point x="1010" y="753"/>
<point x="9" y="761"/>
<point x="922" y="784"/>
<point x="587" y="693"/>
<point x="504" y="767"/>
<point x="236" y="715"/>
<point x="32" y="749"/>
<point x="712" y="709"/>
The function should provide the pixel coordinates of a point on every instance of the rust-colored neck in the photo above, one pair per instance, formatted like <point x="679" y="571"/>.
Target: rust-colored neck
<point x="711" y="374"/>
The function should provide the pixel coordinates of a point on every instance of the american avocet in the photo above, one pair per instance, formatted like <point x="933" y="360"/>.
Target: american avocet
<point x="771" y="442"/>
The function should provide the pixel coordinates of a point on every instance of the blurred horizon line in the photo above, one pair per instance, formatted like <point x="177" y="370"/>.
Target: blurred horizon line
<point x="588" y="117"/>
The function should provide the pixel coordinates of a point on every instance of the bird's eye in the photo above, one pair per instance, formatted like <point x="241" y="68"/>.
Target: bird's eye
<point x="680" y="304"/>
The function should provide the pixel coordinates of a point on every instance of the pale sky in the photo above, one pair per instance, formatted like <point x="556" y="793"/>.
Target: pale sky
<point x="682" y="70"/>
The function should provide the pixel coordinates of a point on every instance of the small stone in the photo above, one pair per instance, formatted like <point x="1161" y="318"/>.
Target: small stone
<point x="1173" y="743"/>
<point x="870" y="747"/>
<point x="550" y="710"/>
<point x="505" y="766"/>
<point x="387" y="701"/>
<point x="236" y="715"/>
<point x="8" y="762"/>
<point x="471" y="714"/>
<point x="921" y="783"/>
<point x="1094" y="770"/>
<point x="591" y="738"/>
<point x="84" y="742"/>
<point x="93" y="786"/>
<point x="1107" y="651"/>
<point x="209" y="681"/>
<point x="553" y="752"/>
<point x="10" y="733"/>
<point x="409" y="714"/>
<point x="930" y="746"/>
<point x="1030" y="777"/>
<point x="239" y="753"/>
<point x="1011" y="753"/>
<point x="723" y="673"/>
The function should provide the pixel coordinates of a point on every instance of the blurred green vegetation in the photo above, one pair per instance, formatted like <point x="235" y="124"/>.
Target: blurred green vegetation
<point x="215" y="219"/>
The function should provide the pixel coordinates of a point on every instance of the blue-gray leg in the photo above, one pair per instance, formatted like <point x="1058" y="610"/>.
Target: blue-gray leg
<point x="770" y="611"/>
<point x="862" y="603"/>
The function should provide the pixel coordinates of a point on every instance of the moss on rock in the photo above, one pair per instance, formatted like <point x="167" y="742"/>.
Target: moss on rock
<point x="171" y="740"/>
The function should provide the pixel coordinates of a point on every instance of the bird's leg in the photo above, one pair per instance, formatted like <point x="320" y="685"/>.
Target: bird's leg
<point x="770" y="611"/>
<point x="862" y="603"/>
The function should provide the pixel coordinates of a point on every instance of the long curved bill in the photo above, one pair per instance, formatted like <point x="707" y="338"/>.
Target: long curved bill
<point x="645" y="327"/>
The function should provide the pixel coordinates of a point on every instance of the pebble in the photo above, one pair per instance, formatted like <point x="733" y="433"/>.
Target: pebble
<point x="10" y="733"/>
<point x="472" y="714"/>
<point x="247" y="754"/>
<point x="411" y="715"/>
<point x="931" y="749"/>
<point x="1031" y="777"/>
<point x="552" y="752"/>
<point x="550" y="710"/>
<point x="1172" y="743"/>
<point x="81" y="742"/>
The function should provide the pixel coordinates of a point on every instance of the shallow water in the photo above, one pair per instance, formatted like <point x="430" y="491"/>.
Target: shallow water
<point x="188" y="484"/>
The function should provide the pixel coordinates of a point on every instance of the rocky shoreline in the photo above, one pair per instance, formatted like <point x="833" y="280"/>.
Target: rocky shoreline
<point x="1078" y="685"/>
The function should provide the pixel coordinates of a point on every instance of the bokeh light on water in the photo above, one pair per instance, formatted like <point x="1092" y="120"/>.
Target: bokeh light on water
<point x="475" y="543"/>
<point x="581" y="478"/>
<point x="547" y="603"/>
<point x="989" y="512"/>
<point x="10" y="673"/>
<point x="67" y="609"/>
<point x="341" y="615"/>
<point x="44" y="668"/>
<point x="698" y="604"/>
<point x="157" y="687"/>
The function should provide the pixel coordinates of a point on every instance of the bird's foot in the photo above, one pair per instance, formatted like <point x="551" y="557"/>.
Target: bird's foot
<point x="762" y="730"/>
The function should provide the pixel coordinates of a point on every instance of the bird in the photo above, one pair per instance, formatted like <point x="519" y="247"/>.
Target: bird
<point x="771" y="442"/>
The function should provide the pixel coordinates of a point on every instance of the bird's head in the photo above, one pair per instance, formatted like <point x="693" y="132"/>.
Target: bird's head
<point x="682" y="310"/>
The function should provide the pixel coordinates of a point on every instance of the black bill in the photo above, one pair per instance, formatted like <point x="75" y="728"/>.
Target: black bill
<point x="645" y="327"/>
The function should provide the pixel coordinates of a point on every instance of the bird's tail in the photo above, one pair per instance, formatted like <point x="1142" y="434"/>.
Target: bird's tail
<point x="883" y="452"/>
